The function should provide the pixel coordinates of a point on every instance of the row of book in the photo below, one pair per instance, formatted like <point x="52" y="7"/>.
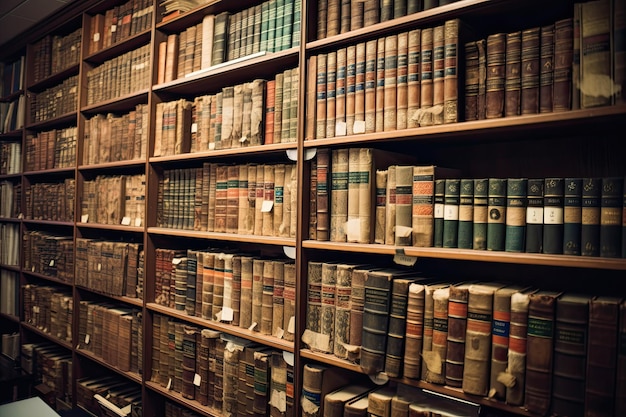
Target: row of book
<point x="391" y="83"/>
<point x="232" y="376"/>
<point x="501" y="340"/>
<point x="49" y="309"/>
<point x="9" y="288"/>
<point x="10" y="199"/>
<point x="114" y="199"/>
<point x="113" y="333"/>
<point x="109" y="267"/>
<point x="248" y="199"/>
<point x="49" y="254"/>
<point x="55" y="101"/>
<point x="337" y="16"/>
<point x="111" y="138"/>
<point x="9" y="244"/>
<point x="119" y="23"/>
<point x="11" y="345"/>
<point x="243" y="290"/>
<point x="125" y="74"/>
<point x="54" y="53"/>
<point x="50" y="365"/>
<point x="12" y="114"/>
<point x="12" y="76"/>
<point x="109" y="396"/>
<point x="10" y="158"/>
<point x="39" y="195"/>
<point x="51" y="149"/>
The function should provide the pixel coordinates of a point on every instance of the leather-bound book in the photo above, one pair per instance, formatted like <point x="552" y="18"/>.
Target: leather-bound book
<point x="590" y="228"/>
<point x="314" y="296"/>
<point x="359" y="89"/>
<point x="321" y="110"/>
<point x="553" y="215"/>
<point x="390" y="205"/>
<point x="371" y="12"/>
<point x="602" y="356"/>
<point x="327" y="318"/>
<point x="570" y="354"/>
<point x="572" y="215"/>
<point x="426" y="76"/>
<point x="438" y="213"/>
<point x="457" y="328"/>
<point x="496" y="222"/>
<point x="390" y="93"/>
<point x="512" y="74"/>
<point x="413" y="77"/>
<point x="356" y="14"/>
<point x="595" y="55"/>
<point x="395" y="352"/>
<point x="534" y="215"/>
<point x="611" y="199"/>
<point x="279" y="201"/>
<point x="546" y="72"/>
<point x="381" y="206"/>
<point x="358" y="301"/>
<point x="262" y="371"/>
<point x="371" y="47"/>
<point x="289" y="294"/>
<point x="516" y="371"/>
<point x="470" y="111"/>
<point x="434" y="360"/>
<point x="404" y="195"/>
<point x="451" y="71"/>
<point x="278" y="300"/>
<point x="466" y="213"/>
<point x="346" y="202"/>
<point x="451" y="212"/>
<point x="414" y="334"/>
<point x="379" y="116"/>
<point x="350" y="88"/>
<point x="379" y="403"/>
<point x="438" y="74"/>
<point x="515" y="223"/>
<point x="495" y="77"/>
<point x="540" y="351"/>
<point x="531" y="39"/>
<point x="402" y="80"/>
<point x="312" y="199"/>
<point x="481" y="107"/>
<point x="343" y="298"/>
<point x="480" y="313"/>
<point x="357" y="407"/>
<point x="331" y="92"/>
<point x="429" y="4"/>
<point x="563" y="60"/>
<point x="323" y="189"/>
<point x="333" y="18"/>
<point x="334" y="402"/>
<point x="481" y="213"/>
<point x="257" y="294"/>
<point x="311" y="101"/>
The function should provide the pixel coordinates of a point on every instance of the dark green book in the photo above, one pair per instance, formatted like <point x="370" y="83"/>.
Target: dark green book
<point x="553" y="194"/>
<point x="481" y="213"/>
<point x="451" y="213"/>
<point x="611" y="217"/>
<point x="515" y="224"/>
<point x="572" y="215"/>
<point x="439" y="199"/>
<point x="466" y="213"/>
<point x="590" y="227"/>
<point x="496" y="206"/>
<point x="534" y="216"/>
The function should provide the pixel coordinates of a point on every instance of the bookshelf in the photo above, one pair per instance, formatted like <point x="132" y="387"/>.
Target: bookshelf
<point x="116" y="181"/>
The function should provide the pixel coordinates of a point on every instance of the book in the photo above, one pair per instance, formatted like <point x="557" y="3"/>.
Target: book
<point x="472" y="73"/>
<point x="435" y="359"/>
<point x="317" y="382"/>
<point x="340" y="128"/>
<point x="426" y="76"/>
<point x="515" y="223"/>
<point x="512" y="71"/>
<point x="496" y="222"/>
<point x="398" y="313"/>
<point x="534" y="215"/>
<point x="414" y="333"/>
<point x="331" y="85"/>
<point x="451" y="69"/>
<point x="495" y="77"/>
<point x="381" y="206"/>
<point x="342" y="191"/>
<point x="481" y="108"/>
<point x="602" y="344"/>
<point x="572" y="215"/>
<point x="413" y="77"/>
<point x="546" y="72"/>
<point x="595" y="53"/>
<point x="335" y="401"/>
<point x="390" y="205"/>
<point x="611" y="198"/>
<point x="402" y="80"/>
<point x="466" y="213"/>
<point x="322" y="187"/>
<point x="327" y="311"/>
<point x="379" y="401"/>
<point x="379" y="91"/>
<point x="590" y="227"/>
<point x="451" y="212"/>
<point x="553" y="215"/>
<point x="390" y="93"/>
<point x="350" y="89"/>
<point x="359" y="89"/>
<point x="540" y="350"/>
<point x="458" y="295"/>
<point x="320" y="100"/>
<point x="563" y="61"/>
<point x="481" y="213"/>
<point x="404" y="205"/>
<point x="530" y="68"/>
<point x="370" y="74"/>
<point x="438" y="212"/>
<point x="571" y="337"/>
<point x="480" y="314"/>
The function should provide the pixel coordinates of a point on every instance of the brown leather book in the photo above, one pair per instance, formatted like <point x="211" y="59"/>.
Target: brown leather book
<point x="414" y="333"/>
<point x="390" y="95"/>
<point x="323" y="194"/>
<point x="402" y="80"/>
<point x="471" y="81"/>
<point x="335" y="401"/>
<point x="495" y="76"/>
<point x="331" y="92"/>
<point x="426" y="76"/>
<point x="457" y="326"/>
<point x="340" y="128"/>
<point x="343" y="192"/>
<point x="350" y="88"/>
<point x="438" y="74"/>
<point x="413" y="77"/>
<point x="370" y="86"/>
<point x="451" y="71"/>
<point x="540" y="351"/>
<point x="531" y="45"/>
<point x="563" y="61"/>
<point x="321" y="111"/>
<point x="516" y="383"/>
<point x="380" y="86"/>
<point x="546" y="73"/>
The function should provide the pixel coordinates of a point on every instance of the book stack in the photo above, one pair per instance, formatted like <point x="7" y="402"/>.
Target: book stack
<point x="39" y="196"/>
<point x="56" y="53"/>
<point x="51" y="149"/>
<point x="52" y="365"/>
<point x="116" y="199"/>
<point x="12" y="76"/>
<point x="49" y="309"/>
<point x="55" y="101"/>
<point x="11" y="158"/>
<point x="49" y="254"/>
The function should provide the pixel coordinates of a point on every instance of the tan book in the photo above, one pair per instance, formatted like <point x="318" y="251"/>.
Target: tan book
<point x="327" y="313"/>
<point x="311" y="99"/>
<point x="286" y="104"/>
<point x="370" y="86"/>
<point x="258" y="199"/>
<point x="228" y="118"/>
<point x="267" y="303"/>
<point x="379" y="401"/>
<point x="414" y="335"/>
<point x="331" y="92"/>
<point x="425" y="117"/>
<point x="256" y="113"/>
<point x="321" y="109"/>
<point x="244" y="225"/>
<point x="221" y="198"/>
<point x="402" y="80"/>
<point x="257" y="294"/>
<point x="451" y="69"/>
<point x="404" y="205"/>
<point x="162" y="62"/>
<point x="413" y="77"/>
<point x="340" y="128"/>
<point x="381" y="206"/>
<point x="359" y="89"/>
<point x="279" y="204"/>
<point x="284" y="223"/>
<point x="434" y="359"/>
<point x="390" y="95"/>
<point x="267" y="207"/>
<point x="317" y="382"/>
<point x="379" y="116"/>
<point x="390" y="206"/>
<point x="438" y="74"/>
<point x="350" y="88"/>
<point x="343" y="192"/>
<point x="289" y="295"/>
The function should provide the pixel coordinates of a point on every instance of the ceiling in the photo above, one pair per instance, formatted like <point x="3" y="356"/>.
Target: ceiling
<point x="16" y="16"/>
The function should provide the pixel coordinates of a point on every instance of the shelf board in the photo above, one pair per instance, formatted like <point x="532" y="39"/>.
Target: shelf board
<point x="273" y="148"/>
<point x="63" y="343"/>
<point x="130" y="375"/>
<point x="231" y="237"/>
<point x="192" y="404"/>
<point x="137" y="302"/>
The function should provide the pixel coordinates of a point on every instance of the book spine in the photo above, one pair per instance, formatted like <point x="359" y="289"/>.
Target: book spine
<point x="595" y="52"/>
<point x="496" y="222"/>
<point x="451" y="70"/>
<point x="375" y="322"/>
<point x="423" y="205"/>
<point x="439" y="211"/>
<point x="402" y="80"/>
<point x="495" y="81"/>
<point x="546" y="72"/>
<point x="340" y="128"/>
<point x="470" y="111"/>
<point x="451" y="212"/>
<point x="395" y="352"/>
<point x="481" y="213"/>
<point x="611" y="217"/>
<point x="342" y="190"/>
<point x="572" y="215"/>
<point x="435" y="359"/>
<point x="390" y="205"/>
<point x="457" y="327"/>
<point x="381" y="206"/>
<point x="553" y="216"/>
<point x="518" y="333"/>
<point x="414" y="331"/>
<point x="320" y="113"/>
<point x="413" y="77"/>
<point x="590" y="228"/>
<point x="466" y="215"/>
<point x="529" y="103"/>
<point x="404" y="197"/>
<point x="512" y="71"/>
<point x="379" y="91"/>
<point x="323" y="218"/>
<point x="331" y="85"/>
<point x="426" y="76"/>
<point x="534" y="215"/>
<point x="563" y="61"/>
<point x="515" y="224"/>
<point x="390" y="93"/>
<point x="370" y="85"/>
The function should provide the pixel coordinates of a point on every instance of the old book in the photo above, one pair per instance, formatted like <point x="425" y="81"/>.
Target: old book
<point x="257" y="294"/>
<point x="340" y="128"/>
<point x="500" y="332"/>
<point x="531" y="39"/>
<point x="451" y="68"/>
<point x="289" y="295"/>
<point x="267" y="297"/>
<point x="590" y="227"/>
<point x="357" y="407"/>
<point x="279" y="200"/>
<point x="458" y="295"/>
<point x="350" y="88"/>
<point x="335" y="401"/>
<point x="496" y="222"/>
<point x="602" y="344"/>
<point x="495" y="79"/>
<point x="470" y="111"/>
<point x="481" y="213"/>
<point x="466" y="214"/>
<point x="611" y="199"/>
<point x="546" y="72"/>
<point x="402" y="80"/>
<point x="553" y="215"/>
<point x="390" y="93"/>
<point x="534" y="215"/>
<point x="563" y="61"/>
<point x="390" y="205"/>
<point x="327" y="310"/>
<point x="357" y="302"/>
<point x="344" y="166"/>
<point x="451" y="212"/>
<point x="379" y="116"/>
<point x="378" y="287"/>
<point x="398" y="312"/>
<point x="438" y="212"/>
<point x="480" y="313"/>
<point x="323" y="188"/>
<point x="571" y="336"/>
<point x="381" y="206"/>
<point x="321" y="85"/>
<point x="438" y="74"/>
<point x="369" y="90"/>
<point x="317" y="382"/>
<point x="413" y="77"/>
<point x="414" y="333"/>
<point x="426" y="77"/>
<point x="267" y="207"/>
<point x="219" y="38"/>
<point x="403" y="230"/>
<point x="171" y="60"/>
<point x="518" y="332"/>
<point x="572" y="215"/>
<point x="512" y="73"/>
<point x="359" y="90"/>
<point x="481" y="108"/>
<point x="540" y="350"/>
<point x="595" y="53"/>
<point x="515" y="223"/>
<point x="379" y="401"/>
<point x="314" y="296"/>
<point x="343" y="309"/>
<point x="434" y="353"/>
<point x="279" y="104"/>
